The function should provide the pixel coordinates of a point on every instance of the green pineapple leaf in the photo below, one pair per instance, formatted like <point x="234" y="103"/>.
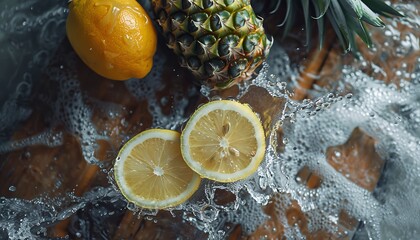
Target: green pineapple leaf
<point x="321" y="8"/>
<point x="371" y="17"/>
<point x="382" y="8"/>
<point x="347" y="17"/>
<point x="356" y="6"/>
<point x="305" y="4"/>
<point x="340" y="23"/>
<point x="360" y="29"/>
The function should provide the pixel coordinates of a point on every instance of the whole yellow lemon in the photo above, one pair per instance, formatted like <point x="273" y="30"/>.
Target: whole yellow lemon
<point x="115" y="38"/>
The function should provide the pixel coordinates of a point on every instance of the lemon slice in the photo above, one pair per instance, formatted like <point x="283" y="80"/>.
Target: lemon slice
<point x="151" y="173"/>
<point x="223" y="141"/>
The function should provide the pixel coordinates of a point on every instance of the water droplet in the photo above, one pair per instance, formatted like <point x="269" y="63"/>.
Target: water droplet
<point x="131" y="206"/>
<point x="209" y="213"/>
<point x="216" y="98"/>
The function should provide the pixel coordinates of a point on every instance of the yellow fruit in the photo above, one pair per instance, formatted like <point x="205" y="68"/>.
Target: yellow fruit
<point x="115" y="38"/>
<point x="151" y="173"/>
<point x="223" y="141"/>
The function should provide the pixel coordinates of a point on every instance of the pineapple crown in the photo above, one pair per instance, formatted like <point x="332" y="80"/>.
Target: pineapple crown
<point x="347" y="17"/>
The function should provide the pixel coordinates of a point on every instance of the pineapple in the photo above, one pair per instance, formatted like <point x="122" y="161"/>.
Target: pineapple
<point x="347" y="17"/>
<point x="221" y="41"/>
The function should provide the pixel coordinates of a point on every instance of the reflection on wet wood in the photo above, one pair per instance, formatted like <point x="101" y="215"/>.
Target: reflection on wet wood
<point x="312" y="67"/>
<point x="309" y="178"/>
<point x="36" y="170"/>
<point x="128" y="226"/>
<point x="296" y="218"/>
<point x="391" y="53"/>
<point x="268" y="108"/>
<point x="357" y="160"/>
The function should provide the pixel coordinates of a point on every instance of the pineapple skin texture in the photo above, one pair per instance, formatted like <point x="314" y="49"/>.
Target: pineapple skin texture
<point x="221" y="41"/>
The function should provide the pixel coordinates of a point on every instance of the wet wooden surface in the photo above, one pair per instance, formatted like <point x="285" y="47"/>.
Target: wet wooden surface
<point x="35" y="170"/>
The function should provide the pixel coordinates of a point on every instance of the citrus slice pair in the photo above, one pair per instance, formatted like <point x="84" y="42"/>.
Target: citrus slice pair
<point x="223" y="141"/>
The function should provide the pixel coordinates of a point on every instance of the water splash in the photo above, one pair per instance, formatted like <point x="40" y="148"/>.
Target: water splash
<point x="21" y="219"/>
